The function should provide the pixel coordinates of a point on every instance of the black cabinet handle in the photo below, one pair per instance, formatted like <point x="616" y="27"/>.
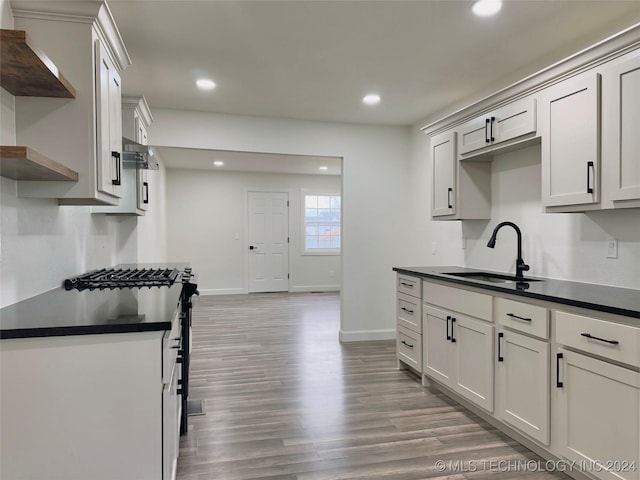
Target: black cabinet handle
<point x="407" y="344"/>
<point x="612" y="342"/>
<point x="146" y="192"/>
<point x="512" y="315"/>
<point x="500" y="357"/>
<point x="251" y="247"/>
<point x="493" y="119"/>
<point x="486" y="131"/>
<point x="559" y="356"/>
<point x="410" y="285"/>
<point x="449" y="192"/>
<point x="118" y="179"/>
<point x="453" y="320"/>
<point x="448" y="318"/>
<point x="406" y="310"/>
<point x="589" y="168"/>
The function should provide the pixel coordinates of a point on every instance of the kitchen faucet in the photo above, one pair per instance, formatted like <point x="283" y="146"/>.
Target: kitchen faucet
<point x="520" y="265"/>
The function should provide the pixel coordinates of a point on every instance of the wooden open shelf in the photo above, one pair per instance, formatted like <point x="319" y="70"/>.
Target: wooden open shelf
<point x="27" y="71"/>
<point x="24" y="163"/>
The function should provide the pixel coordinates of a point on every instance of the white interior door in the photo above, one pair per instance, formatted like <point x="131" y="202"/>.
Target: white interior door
<point x="268" y="242"/>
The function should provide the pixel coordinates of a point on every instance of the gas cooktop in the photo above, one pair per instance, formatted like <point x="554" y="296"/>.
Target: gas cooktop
<point x="123" y="278"/>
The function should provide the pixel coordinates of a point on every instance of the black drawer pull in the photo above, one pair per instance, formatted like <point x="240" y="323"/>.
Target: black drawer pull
<point x="519" y="318"/>
<point x="448" y="318"/>
<point x="486" y="131"/>
<point x="406" y="310"/>
<point x="453" y="320"/>
<point x="500" y="357"/>
<point x="559" y="384"/>
<point x="612" y="342"/>
<point x="407" y="344"/>
<point x="410" y="285"/>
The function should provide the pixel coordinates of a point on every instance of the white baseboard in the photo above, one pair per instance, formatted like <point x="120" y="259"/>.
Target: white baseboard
<point x="315" y="288"/>
<point x="366" y="335"/>
<point x="222" y="291"/>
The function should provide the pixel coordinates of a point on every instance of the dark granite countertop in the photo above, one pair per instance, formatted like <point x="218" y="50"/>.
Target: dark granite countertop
<point x="602" y="298"/>
<point x="59" y="312"/>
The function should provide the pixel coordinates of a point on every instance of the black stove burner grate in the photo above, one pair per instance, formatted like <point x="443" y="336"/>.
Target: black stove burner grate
<point x="123" y="278"/>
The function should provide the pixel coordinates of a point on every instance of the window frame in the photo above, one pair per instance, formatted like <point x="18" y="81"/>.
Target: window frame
<point x="303" y="242"/>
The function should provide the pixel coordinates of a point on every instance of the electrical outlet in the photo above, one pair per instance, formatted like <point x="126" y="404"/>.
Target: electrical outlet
<point x="612" y="248"/>
<point x="464" y="242"/>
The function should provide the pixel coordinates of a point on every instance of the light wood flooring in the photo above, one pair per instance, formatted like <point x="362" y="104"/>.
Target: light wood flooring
<point x="284" y="400"/>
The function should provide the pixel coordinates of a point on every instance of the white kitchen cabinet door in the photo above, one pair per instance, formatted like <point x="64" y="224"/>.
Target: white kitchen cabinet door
<point x="621" y="128"/>
<point x="599" y="415"/>
<point x="473" y="341"/>
<point x="438" y="356"/>
<point x="497" y="127"/>
<point x="109" y="132"/>
<point x="443" y="157"/>
<point x="571" y="141"/>
<point x="523" y="384"/>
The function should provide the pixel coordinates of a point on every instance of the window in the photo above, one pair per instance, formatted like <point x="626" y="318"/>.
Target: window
<point x="322" y="223"/>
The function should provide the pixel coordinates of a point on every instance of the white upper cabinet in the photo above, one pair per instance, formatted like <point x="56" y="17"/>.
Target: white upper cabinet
<point x="571" y="142"/>
<point x="459" y="190"/>
<point x="84" y="133"/>
<point x="443" y="157"/>
<point x="621" y="132"/>
<point x="498" y="128"/>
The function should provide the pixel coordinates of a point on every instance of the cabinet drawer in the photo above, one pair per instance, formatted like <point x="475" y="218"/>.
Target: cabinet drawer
<point x="409" y="312"/>
<point x="409" y="348"/>
<point x="599" y="337"/>
<point x="523" y="317"/>
<point x="458" y="300"/>
<point x="409" y="285"/>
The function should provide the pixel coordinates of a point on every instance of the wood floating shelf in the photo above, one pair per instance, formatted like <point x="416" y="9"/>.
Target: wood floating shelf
<point x="26" y="71"/>
<point x="24" y="163"/>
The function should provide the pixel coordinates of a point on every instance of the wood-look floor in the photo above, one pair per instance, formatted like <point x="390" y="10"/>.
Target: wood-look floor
<point x="283" y="399"/>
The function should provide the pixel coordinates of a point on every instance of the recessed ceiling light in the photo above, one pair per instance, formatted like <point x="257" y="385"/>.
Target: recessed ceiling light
<point x="372" y="99"/>
<point x="206" y="84"/>
<point x="324" y="168"/>
<point x="485" y="8"/>
<point x="218" y="163"/>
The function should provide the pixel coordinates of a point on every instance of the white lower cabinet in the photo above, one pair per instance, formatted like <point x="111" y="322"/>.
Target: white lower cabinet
<point x="522" y="384"/>
<point x="458" y="351"/>
<point x="598" y="415"/>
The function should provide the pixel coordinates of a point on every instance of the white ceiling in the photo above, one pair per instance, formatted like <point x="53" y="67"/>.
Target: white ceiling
<point x="316" y="59"/>
<point x="199" y="159"/>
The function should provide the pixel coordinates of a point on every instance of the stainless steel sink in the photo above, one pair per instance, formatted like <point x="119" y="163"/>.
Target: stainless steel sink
<point x="491" y="277"/>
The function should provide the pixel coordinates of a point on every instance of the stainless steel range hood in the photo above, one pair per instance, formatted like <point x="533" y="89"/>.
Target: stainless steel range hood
<point x="138" y="155"/>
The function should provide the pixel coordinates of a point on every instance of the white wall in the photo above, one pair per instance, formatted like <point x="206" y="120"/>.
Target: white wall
<point x="206" y="211"/>
<point x="374" y="192"/>
<point x="563" y="246"/>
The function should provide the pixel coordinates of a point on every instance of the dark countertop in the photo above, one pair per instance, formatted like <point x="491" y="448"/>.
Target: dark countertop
<point x="602" y="298"/>
<point x="59" y="312"/>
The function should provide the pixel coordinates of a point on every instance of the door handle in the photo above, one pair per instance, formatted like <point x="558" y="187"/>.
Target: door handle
<point x="493" y="119"/>
<point x="449" y="192"/>
<point x="117" y="180"/>
<point x="559" y="384"/>
<point x="448" y="318"/>
<point x="500" y="357"/>
<point x="486" y="131"/>
<point x="251" y="247"/>
<point x="453" y="320"/>
<point x="146" y="192"/>
<point x="590" y="167"/>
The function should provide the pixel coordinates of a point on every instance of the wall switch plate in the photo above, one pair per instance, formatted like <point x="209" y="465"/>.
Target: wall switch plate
<point x="612" y="248"/>
<point x="464" y="242"/>
<point x="433" y="248"/>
